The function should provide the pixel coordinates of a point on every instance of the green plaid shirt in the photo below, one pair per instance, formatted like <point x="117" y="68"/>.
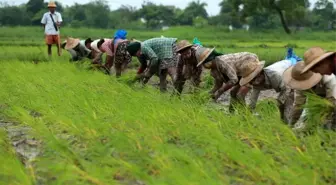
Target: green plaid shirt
<point x="158" y="48"/>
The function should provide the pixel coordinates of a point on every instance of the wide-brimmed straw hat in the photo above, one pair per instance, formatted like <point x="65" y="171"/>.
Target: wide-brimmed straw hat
<point x="71" y="43"/>
<point x="183" y="44"/>
<point x="295" y="80"/>
<point x="202" y="54"/>
<point x="313" y="56"/>
<point x="52" y="4"/>
<point x="250" y="71"/>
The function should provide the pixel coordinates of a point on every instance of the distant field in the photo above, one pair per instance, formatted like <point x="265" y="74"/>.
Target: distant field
<point x="27" y="43"/>
<point x="61" y="123"/>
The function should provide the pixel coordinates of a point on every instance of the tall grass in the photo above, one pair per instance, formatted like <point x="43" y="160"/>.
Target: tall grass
<point x="98" y="130"/>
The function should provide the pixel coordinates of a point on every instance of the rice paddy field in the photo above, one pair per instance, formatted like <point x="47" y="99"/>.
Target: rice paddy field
<point x="61" y="123"/>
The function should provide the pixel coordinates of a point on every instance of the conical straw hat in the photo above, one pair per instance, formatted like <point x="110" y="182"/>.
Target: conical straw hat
<point x="71" y="43"/>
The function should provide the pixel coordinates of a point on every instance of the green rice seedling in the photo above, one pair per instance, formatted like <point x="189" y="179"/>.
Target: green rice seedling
<point x="318" y="111"/>
<point x="12" y="171"/>
<point x="96" y="129"/>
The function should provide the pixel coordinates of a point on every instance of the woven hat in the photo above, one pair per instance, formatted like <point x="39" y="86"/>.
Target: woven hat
<point x="183" y="44"/>
<point x="313" y="56"/>
<point x="71" y="43"/>
<point x="250" y="71"/>
<point x="52" y="4"/>
<point x="294" y="79"/>
<point x="202" y="54"/>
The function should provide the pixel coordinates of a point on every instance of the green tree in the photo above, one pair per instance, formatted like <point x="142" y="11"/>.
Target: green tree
<point x="75" y="15"/>
<point x="193" y="10"/>
<point x="325" y="15"/>
<point x="157" y="15"/>
<point x="125" y="14"/>
<point x="263" y="19"/>
<point x="286" y="9"/>
<point x="13" y="16"/>
<point x="230" y="13"/>
<point x="97" y="14"/>
<point x="34" y="6"/>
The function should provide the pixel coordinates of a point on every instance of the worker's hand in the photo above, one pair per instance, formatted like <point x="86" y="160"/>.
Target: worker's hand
<point x="215" y="95"/>
<point x="139" y="77"/>
<point x="332" y="100"/>
<point x="58" y="24"/>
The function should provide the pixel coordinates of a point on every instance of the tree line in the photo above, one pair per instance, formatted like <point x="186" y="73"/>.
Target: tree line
<point x="258" y="14"/>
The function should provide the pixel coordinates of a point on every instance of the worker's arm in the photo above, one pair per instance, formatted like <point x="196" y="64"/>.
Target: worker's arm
<point x="143" y="63"/>
<point x="109" y="62"/>
<point x="153" y="58"/>
<point x="226" y="69"/>
<point x="299" y="101"/>
<point x="44" y="21"/>
<point x="254" y="98"/>
<point x="179" y="82"/>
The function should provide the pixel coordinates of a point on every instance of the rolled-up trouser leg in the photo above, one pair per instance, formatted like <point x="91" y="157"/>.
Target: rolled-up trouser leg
<point x="330" y="122"/>
<point x="117" y="67"/>
<point x="163" y="80"/>
<point x="281" y="107"/>
<point x="233" y="97"/>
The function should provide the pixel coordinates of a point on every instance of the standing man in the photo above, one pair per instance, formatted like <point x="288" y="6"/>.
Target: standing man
<point x="51" y="22"/>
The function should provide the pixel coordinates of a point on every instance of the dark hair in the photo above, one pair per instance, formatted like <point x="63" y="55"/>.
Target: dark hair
<point x="133" y="48"/>
<point x="100" y="42"/>
<point x="63" y="45"/>
<point x="88" y="40"/>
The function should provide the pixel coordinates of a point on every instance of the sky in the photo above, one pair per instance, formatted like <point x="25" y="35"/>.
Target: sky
<point x="212" y="8"/>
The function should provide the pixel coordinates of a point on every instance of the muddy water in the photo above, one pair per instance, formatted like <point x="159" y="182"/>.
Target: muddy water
<point x="27" y="148"/>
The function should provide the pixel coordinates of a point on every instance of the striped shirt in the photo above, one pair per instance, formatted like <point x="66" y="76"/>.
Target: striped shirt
<point x="232" y="65"/>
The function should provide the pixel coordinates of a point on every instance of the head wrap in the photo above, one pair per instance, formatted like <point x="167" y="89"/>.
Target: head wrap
<point x="119" y="34"/>
<point x="292" y="57"/>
